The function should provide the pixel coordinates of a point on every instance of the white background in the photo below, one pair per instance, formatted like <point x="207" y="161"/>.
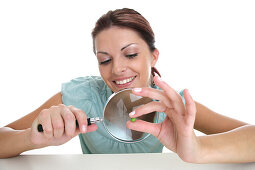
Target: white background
<point x="205" y="46"/>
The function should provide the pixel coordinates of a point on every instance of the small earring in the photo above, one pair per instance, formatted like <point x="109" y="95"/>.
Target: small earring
<point x="154" y="70"/>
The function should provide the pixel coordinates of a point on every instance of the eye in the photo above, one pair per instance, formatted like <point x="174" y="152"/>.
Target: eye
<point x="105" y="62"/>
<point x="131" y="55"/>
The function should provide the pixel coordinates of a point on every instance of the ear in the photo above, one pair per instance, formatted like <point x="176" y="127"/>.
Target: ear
<point x="155" y="55"/>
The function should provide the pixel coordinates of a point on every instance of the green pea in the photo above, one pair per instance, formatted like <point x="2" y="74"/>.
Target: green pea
<point x="133" y="119"/>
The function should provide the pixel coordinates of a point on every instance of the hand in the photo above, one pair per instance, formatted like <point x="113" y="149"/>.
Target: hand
<point x="59" y="125"/>
<point x="176" y="131"/>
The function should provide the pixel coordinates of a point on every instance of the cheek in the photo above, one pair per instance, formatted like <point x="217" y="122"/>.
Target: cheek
<point x="143" y="68"/>
<point x="104" y="72"/>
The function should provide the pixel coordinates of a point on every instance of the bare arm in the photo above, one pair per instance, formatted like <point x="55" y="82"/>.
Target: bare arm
<point x="235" y="146"/>
<point x="14" y="137"/>
<point x="26" y="121"/>
<point x="210" y="122"/>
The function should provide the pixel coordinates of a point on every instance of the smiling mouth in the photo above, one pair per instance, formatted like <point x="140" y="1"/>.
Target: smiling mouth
<point x="124" y="81"/>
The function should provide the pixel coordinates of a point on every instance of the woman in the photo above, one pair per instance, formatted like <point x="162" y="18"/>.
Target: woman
<point x="123" y="43"/>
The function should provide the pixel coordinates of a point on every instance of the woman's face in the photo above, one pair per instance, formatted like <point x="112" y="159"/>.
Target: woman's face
<point x="124" y="58"/>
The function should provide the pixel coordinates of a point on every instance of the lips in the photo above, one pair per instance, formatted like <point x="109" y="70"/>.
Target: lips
<point x="123" y="83"/>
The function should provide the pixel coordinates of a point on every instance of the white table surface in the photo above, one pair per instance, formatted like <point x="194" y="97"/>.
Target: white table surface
<point x="111" y="161"/>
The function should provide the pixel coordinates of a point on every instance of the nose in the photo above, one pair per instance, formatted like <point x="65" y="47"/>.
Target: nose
<point x="119" y="67"/>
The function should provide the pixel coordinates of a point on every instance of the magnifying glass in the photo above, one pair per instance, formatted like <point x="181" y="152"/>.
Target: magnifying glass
<point x="116" y="115"/>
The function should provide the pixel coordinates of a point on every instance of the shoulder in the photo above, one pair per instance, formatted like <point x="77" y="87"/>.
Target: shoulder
<point x="83" y="88"/>
<point x="81" y="84"/>
<point x="88" y="81"/>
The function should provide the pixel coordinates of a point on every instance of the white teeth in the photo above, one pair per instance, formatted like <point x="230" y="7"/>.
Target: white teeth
<point x="125" y="81"/>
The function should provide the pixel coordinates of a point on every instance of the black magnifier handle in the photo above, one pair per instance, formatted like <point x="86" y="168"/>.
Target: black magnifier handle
<point x="90" y="121"/>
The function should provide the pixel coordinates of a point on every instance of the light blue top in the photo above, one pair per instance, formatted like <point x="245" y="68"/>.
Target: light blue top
<point x="90" y="94"/>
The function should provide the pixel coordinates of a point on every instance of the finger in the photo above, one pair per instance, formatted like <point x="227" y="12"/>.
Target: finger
<point x="57" y="123"/>
<point x="153" y="94"/>
<point x="175" y="98"/>
<point x="91" y="128"/>
<point x="45" y="120"/>
<point x="69" y="121"/>
<point x="80" y="117"/>
<point x="148" y="108"/>
<point x="35" y="125"/>
<point x="143" y="126"/>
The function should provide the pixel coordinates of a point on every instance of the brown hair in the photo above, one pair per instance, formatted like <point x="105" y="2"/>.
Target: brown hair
<point x="128" y="18"/>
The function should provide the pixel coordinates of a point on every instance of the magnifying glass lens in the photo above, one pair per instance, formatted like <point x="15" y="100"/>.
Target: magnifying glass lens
<point x="116" y="114"/>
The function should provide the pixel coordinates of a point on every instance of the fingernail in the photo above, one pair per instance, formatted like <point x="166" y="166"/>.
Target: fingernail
<point x="83" y="128"/>
<point x="132" y="113"/>
<point x="137" y="89"/>
<point x="187" y="91"/>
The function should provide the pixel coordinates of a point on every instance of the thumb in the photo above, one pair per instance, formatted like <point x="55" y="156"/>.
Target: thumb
<point x="143" y="126"/>
<point x="189" y="104"/>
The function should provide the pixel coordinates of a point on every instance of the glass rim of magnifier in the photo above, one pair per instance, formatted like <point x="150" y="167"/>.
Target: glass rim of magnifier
<point x="118" y="139"/>
<point x="129" y="141"/>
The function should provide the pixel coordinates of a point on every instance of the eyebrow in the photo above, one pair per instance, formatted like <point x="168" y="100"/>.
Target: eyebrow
<point x="126" y="46"/>
<point x="103" y="52"/>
